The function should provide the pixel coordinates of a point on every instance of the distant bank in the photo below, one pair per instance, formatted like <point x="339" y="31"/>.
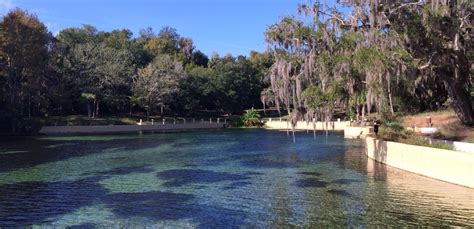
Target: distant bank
<point x="54" y="130"/>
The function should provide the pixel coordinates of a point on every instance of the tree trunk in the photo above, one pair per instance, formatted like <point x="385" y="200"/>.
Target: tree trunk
<point x="93" y="109"/>
<point x="97" y="108"/>
<point x="29" y="106"/>
<point x="460" y="100"/>
<point x="363" y="112"/>
<point x="455" y="76"/>
<point x="389" y="87"/>
<point x="358" y="108"/>
<point x="89" y="109"/>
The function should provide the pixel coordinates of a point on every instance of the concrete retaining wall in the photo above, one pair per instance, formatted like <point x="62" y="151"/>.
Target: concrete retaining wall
<point x="125" y="128"/>
<point x="283" y="125"/>
<point x="446" y="165"/>
<point x="464" y="146"/>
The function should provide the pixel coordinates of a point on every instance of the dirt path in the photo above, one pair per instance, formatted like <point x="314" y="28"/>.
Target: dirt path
<point x="446" y="121"/>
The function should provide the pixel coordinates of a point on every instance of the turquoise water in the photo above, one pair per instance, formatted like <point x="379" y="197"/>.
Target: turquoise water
<point x="222" y="178"/>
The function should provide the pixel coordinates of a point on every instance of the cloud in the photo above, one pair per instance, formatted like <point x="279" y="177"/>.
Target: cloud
<point x="5" y="6"/>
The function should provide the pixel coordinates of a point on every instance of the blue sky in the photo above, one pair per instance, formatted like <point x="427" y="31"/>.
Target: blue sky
<point x="223" y="26"/>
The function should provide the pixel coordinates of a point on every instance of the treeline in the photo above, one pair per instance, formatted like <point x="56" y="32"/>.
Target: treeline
<point x="86" y="71"/>
<point x="382" y="57"/>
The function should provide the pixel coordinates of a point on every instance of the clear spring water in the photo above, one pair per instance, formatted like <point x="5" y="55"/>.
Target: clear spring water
<point x="223" y="178"/>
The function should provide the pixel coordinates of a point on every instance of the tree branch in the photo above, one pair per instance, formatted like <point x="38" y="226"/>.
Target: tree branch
<point x="419" y="3"/>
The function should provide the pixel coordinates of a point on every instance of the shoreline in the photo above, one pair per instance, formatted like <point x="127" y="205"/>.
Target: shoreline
<point x="111" y="129"/>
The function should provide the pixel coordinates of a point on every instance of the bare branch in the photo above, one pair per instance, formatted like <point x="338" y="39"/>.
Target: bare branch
<point x="419" y="3"/>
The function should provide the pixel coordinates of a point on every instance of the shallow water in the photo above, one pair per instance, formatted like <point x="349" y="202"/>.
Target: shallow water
<point x="222" y="178"/>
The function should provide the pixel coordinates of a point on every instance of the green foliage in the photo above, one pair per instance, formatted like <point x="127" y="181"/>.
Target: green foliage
<point x="417" y="140"/>
<point x="251" y="118"/>
<point x="158" y="83"/>
<point x="236" y="83"/>
<point x="386" y="116"/>
<point x="24" y="70"/>
<point x="395" y="131"/>
<point x="236" y="121"/>
<point x="88" y="96"/>
<point x="316" y="99"/>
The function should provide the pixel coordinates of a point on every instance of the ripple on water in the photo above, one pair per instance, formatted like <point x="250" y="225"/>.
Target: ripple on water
<point x="218" y="179"/>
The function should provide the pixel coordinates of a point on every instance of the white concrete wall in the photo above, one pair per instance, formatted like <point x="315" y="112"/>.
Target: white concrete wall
<point x="301" y="125"/>
<point x="446" y="165"/>
<point x="464" y="146"/>
<point x="126" y="128"/>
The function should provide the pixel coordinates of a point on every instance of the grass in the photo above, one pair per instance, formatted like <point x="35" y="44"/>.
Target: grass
<point x="447" y="123"/>
<point x="397" y="133"/>
<point x="75" y="120"/>
<point x="419" y="141"/>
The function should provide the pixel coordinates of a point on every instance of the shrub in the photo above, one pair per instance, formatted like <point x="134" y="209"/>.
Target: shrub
<point x="395" y="131"/>
<point x="251" y="118"/>
<point x="236" y="121"/>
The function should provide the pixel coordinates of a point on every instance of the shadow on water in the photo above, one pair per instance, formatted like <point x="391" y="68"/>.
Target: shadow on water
<point x="36" y="151"/>
<point x="35" y="203"/>
<point x="40" y="152"/>
<point x="181" y="177"/>
<point x="235" y="185"/>
<point x="83" y="226"/>
<point x="264" y="161"/>
<point x="152" y="205"/>
<point x="311" y="182"/>
<point x="28" y="203"/>
<point x="126" y="170"/>
<point x="345" y="181"/>
<point x="310" y="174"/>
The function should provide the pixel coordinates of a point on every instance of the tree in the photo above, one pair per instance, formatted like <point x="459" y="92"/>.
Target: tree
<point x="236" y="83"/>
<point x="157" y="83"/>
<point x="24" y="44"/>
<point x="198" y="90"/>
<point x="443" y="33"/>
<point x="370" y="52"/>
<point x="436" y="33"/>
<point x="102" y="71"/>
